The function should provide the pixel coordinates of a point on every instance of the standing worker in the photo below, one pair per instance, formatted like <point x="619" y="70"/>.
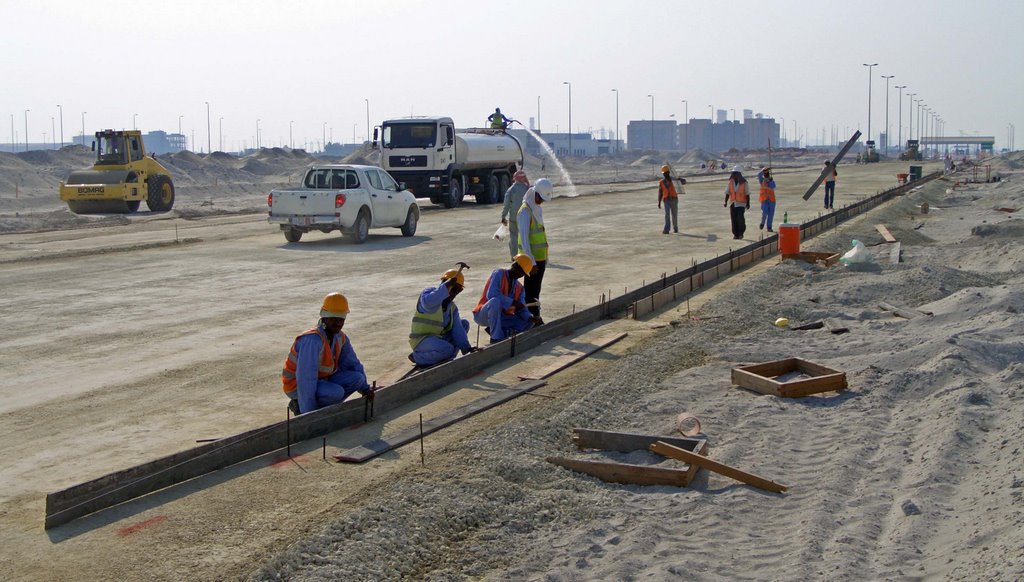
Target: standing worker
<point x="498" y="119"/>
<point x="830" y="186"/>
<point x="513" y="200"/>
<point x="501" y="307"/>
<point x="738" y="201"/>
<point x="533" y="241"/>
<point x="438" y="332"/>
<point x="322" y="368"/>
<point x="766" y="197"/>
<point x="667" y="194"/>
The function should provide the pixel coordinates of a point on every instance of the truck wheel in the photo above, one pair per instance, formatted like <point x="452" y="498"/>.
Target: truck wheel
<point x="161" y="194"/>
<point x="455" y="193"/>
<point x="503" y="188"/>
<point x="490" y="196"/>
<point x="361" y="229"/>
<point x="133" y="205"/>
<point x="409" y="228"/>
<point x="292" y="234"/>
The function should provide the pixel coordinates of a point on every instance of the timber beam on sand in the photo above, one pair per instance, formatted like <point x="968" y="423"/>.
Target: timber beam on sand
<point x="127" y="484"/>
<point x="681" y="454"/>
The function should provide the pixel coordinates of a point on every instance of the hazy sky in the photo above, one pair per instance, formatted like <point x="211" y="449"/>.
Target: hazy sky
<point x="311" y="62"/>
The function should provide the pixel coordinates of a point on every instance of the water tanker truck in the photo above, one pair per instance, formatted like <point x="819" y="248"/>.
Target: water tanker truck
<point x="437" y="162"/>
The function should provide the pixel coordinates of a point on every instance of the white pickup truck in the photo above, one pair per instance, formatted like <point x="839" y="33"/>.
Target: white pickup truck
<point x="352" y="199"/>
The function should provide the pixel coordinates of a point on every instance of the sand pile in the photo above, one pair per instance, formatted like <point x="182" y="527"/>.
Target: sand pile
<point x="695" y="158"/>
<point x="915" y="471"/>
<point x="648" y="160"/>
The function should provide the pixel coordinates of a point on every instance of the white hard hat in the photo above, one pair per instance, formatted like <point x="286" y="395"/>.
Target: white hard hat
<point x="544" y="188"/>
<point x="737" y="169"/>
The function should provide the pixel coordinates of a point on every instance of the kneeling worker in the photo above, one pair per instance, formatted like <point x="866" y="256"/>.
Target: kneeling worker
<point x="438" y="332"/>
<point x="501" y="306"/>
<point x="322" y="368"/>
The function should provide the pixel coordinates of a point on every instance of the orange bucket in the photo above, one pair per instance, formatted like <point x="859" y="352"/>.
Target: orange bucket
<point x="789" y="239"/>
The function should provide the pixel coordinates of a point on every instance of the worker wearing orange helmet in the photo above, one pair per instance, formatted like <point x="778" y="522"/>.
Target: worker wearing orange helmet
<point x="502" y="306"/>
<point x="322" y="367"/>
<point x="438" y="333"/>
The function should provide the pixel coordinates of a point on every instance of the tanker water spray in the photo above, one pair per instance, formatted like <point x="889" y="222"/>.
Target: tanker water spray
<point x="561" y="169"/>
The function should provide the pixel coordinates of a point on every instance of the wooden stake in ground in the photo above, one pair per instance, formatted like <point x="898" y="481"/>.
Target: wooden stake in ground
<point x="680" y="454"/>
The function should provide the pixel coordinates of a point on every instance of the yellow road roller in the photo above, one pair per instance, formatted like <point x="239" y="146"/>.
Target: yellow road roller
<point x="122" y="177"/>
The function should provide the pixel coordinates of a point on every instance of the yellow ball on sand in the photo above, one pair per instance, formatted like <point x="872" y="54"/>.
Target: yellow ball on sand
<point x="781" y="322"/>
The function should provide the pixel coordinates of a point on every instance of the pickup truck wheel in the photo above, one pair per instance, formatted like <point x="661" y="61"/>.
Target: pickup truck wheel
<point x="361" y="229"/>
<point x="411" y="218"/>
<point x="292" y="234"/>
<point x="455" y="193"/>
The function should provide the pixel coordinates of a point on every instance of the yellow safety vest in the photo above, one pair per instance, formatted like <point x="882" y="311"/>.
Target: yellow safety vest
<point x="425" y="325"/>
<point x="538" y="238"/>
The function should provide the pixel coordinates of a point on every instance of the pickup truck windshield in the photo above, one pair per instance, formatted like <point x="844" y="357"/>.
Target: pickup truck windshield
<point x="410" y="135"/>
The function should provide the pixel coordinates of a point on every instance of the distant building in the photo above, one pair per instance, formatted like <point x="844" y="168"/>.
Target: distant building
<point x="753" y="133"/>
<point x="652" y="135"/>
<point x="583" y="144"/>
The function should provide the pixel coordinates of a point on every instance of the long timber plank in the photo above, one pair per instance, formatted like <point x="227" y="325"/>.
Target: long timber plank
<point x="835" y="160"/>
<point x="380" y="446"/>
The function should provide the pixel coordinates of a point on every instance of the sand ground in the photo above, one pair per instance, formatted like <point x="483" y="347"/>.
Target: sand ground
<point x="140" y="337"/>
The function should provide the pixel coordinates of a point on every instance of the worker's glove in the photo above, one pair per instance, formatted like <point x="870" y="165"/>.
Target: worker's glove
<point x="367" y="392"/>
<point x="471" y="350"/>
<point x="504" y="221"/>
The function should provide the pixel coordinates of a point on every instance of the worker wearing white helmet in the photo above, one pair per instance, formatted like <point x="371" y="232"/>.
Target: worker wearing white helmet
<point x="502" y="305"/>
<point x="533" y="240"/>
<point x="438" y="333"/>
<point x="322" y="367"/>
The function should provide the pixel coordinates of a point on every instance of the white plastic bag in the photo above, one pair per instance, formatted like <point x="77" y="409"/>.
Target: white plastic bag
<point x="501" y="233"/>
<point x="858" y="254"/>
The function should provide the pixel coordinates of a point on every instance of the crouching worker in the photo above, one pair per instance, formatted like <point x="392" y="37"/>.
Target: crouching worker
<point x="501" y="309"/>
<point x="438" y="333"/>
<point x="322" y="368"/>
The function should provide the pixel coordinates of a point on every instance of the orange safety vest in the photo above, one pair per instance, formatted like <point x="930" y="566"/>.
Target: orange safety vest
<point x="738" y="196"/>
<point x="517" y="292"/>
<point x="668" y="191"/>
<point x="328" y="359"/>
<point x="767" y="192"/>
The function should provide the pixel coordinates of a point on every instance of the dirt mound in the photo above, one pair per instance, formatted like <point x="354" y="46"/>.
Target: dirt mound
<point x="364" y="155"/>
<point x="257" y="166"/>
<point x="648" y="160"/>
<point x="696" y="157"/>
<point x="1013" y="228"/>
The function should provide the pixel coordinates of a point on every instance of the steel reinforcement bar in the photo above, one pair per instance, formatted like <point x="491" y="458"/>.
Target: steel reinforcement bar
<point x="121" y="486"/>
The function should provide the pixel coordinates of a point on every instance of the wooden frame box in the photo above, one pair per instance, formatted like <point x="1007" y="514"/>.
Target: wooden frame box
<point x="762" y="378"/>
<point x="611" y="472"/>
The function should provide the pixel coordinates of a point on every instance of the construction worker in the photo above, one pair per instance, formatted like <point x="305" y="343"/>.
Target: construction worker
<point x="533" y="241"/>
<point x="513" y="200"/>
<point x="667" y="194"/>
<point x="322" y="368"/>
<point x="830" y="186"/>
<point x="438" y="333"/>
<point x="498" y="119"/>
<point x="501" y="307"/>
<point x="766" y="197"/>
<point x="738" y="201"/>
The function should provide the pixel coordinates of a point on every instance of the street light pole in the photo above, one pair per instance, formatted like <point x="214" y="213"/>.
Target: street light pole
<point x="686" y="136"/>
<point x="53" y="132"/>
<point x="220" y="133"/>
<point x="570" y="115"/>
<point x="325" y="137"/>
<point x="367" y="119"/>
<point x="869" y="96"/>
<point x="616" y="91"/>
<point x="83" y="127"/>
<point x="134" y="115"/>
<point x="26" y="129"/>
<point x="61" y="110"/>
<point x="888" y="138"/>
<point x="257" y="134"/>
<point x="910" y="115"/>
<point x="538" y="113"/>
<point x="209" y="140"/>
<point x="652" y="121"/>
<point x="899" y="123"/>
<point x="712" y="108"/>
<point x="291" y="141"/>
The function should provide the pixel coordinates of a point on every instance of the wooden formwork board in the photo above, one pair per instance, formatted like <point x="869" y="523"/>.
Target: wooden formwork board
<point x="629" y="474"/>
<point x="884" y="231"/>
<point x="762" y="378"/>
<point x="894" y="253"/>
<point x="826" y="259"/>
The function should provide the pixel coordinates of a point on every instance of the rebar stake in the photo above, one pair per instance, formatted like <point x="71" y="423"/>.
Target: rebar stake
<point x="288" y="431"/>
<point x="325" y="448"/>
<point x="423" y="458"/>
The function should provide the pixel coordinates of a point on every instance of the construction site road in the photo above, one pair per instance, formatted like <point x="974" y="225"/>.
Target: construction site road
<point x="123" y="344"/>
